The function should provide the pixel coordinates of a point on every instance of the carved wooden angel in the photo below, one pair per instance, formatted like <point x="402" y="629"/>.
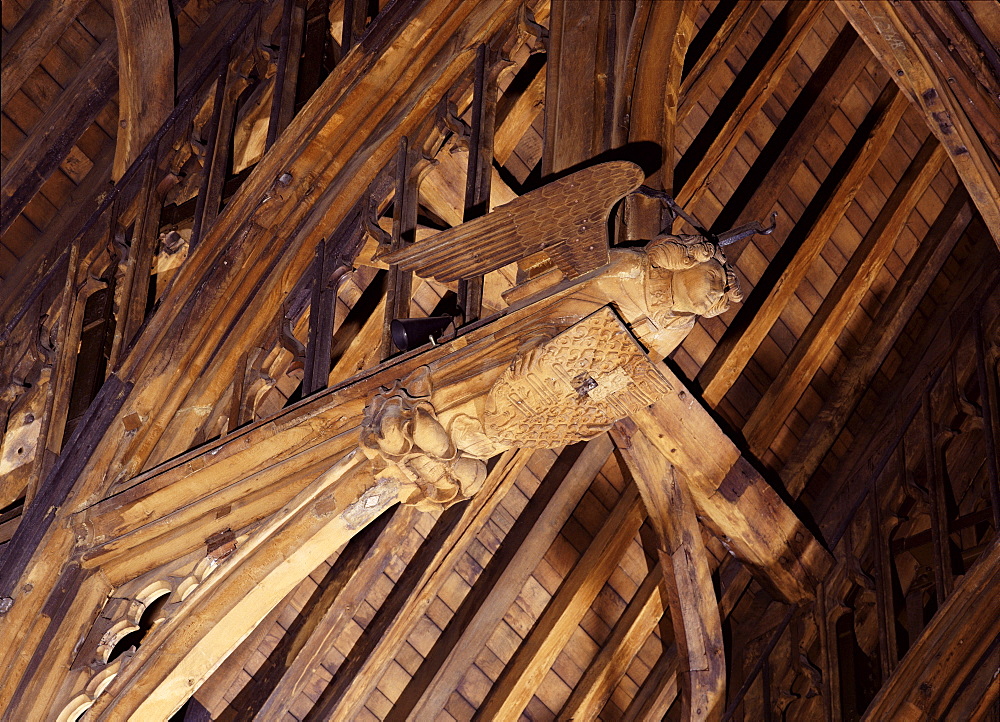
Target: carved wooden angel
<point x="659" y="289"/>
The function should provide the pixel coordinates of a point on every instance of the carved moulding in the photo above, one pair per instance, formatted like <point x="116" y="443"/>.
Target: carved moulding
<point x="138" y="605"/>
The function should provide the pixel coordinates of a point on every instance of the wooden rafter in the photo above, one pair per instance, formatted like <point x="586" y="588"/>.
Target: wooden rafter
<point x="120" y="508"/>
<point x="768" y="62"/>
<point x="895" y="313"/>
<point x="737" y="347"/>
<point x="31" y="39"/>
<point x="658" y="691"/>
<point x="490" y="599"/>
<point x="632" y="629"/>
<point x="921" y="62"/>
<point x="629" y="634"/>
<point x="795" y="136"/>
<point x="529" y="665"/>
<point x="703" y="70"/>
<point x="873" y="441"/>
<point x="843" y="299"/>
<point x="304" y="648"/>
<point x="416" y="589"/>
<point x="57" y="131"/>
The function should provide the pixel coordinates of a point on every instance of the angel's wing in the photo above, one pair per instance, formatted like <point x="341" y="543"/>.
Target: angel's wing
<point x="566" y="219"/>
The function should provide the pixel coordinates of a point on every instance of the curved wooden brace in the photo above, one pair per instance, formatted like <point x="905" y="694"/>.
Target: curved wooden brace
<point x="182" y="652"/>
<point x="145" y="75"/>
<point x="650" y="97"/>
<point x="687" y="578"/>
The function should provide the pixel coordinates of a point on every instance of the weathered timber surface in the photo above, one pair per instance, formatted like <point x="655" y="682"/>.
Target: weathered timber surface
<point x="733" y="498"/>
<point x="145" y="75"/>
<point x="907" y="44"/>
<point x="687" y="578"/>
<point x="946" y="654"/>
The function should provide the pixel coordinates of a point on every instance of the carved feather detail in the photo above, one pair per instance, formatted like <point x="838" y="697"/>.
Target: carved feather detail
<point x="565" y="219"/>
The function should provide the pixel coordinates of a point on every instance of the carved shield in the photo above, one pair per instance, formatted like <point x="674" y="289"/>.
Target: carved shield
<point x="574" y="386"/>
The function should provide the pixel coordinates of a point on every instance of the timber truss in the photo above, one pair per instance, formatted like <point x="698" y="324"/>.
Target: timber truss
<point x="206" y="513"/>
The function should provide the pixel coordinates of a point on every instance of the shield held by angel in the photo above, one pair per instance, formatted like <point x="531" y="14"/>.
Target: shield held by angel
<point x="658" y="289"/>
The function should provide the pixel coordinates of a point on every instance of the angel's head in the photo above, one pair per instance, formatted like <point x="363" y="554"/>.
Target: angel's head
<point x="707" y="289"/>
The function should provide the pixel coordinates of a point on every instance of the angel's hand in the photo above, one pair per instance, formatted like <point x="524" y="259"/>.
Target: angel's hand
<point x="527" y="361"/>
<point x="683" y="253"/>
<point x="702" y="251"/>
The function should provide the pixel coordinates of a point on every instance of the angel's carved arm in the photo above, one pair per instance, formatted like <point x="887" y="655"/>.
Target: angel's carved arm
<point x="676" y="253"/>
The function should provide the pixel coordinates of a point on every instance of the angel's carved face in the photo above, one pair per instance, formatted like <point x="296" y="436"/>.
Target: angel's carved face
<point x="699" y="289"/>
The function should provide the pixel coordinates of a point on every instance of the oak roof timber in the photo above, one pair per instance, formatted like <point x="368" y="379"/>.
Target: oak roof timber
<point x="31" y="40"/>
<point x="232" y="247"/>
<point x="145" y="76"/>
<point x="944" y="82"/>
<point x="513" y="601"/>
